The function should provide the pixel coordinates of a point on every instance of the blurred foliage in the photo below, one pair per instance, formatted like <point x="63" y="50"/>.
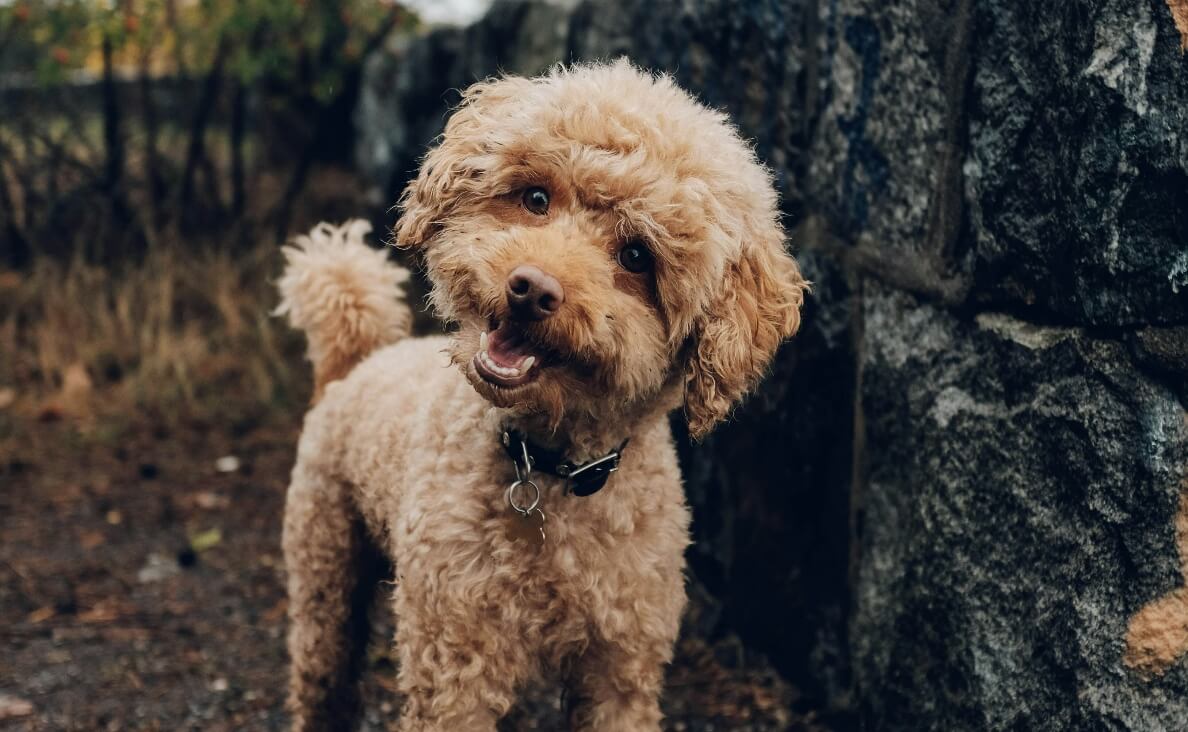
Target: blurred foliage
<point x="152" y="155"/>
<point x="281" y="40"/>
<point x="128" y="119"/>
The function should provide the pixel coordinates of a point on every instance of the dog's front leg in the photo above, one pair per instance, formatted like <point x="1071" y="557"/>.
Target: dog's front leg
<point x="461" y="657"/>
<point x="616" y="688"/>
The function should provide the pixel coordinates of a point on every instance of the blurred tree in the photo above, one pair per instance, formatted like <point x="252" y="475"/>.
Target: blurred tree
<point x="276" y="80"/>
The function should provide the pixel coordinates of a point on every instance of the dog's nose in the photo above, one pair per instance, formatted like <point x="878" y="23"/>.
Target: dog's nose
<point x="532" y="293"/>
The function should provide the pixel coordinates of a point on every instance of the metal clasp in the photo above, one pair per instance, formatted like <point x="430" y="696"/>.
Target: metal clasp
<point x="523" y="480"/>
<point x="610" y="457"/>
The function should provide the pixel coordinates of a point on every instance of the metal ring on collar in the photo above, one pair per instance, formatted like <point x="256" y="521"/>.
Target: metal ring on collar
<point x="511" y="496"/>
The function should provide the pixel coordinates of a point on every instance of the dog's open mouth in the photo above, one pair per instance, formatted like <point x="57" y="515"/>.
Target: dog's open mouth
<point x="506" y="357"/>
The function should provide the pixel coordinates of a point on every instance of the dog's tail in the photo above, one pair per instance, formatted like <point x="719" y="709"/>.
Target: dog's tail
<point x="344" y="295"/>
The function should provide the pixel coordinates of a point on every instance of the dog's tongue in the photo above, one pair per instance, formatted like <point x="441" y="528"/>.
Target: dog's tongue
<point x="506" y="345"/>
<point x="503" y="357"/>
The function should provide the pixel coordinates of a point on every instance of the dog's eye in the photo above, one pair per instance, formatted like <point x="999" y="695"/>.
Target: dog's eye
<point x="635" y="257"/>
<point x="536" y="200"/>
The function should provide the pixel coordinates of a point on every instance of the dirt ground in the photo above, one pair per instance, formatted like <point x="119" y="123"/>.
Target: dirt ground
<point x="141" y="587"/>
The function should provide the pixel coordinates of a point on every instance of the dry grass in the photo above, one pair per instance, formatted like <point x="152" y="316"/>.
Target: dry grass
<point x="186" y="332"/>
<point x="184" y="336"/>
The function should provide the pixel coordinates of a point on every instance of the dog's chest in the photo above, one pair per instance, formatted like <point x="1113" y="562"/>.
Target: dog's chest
<point x="548" y="580"/>
<point x="556" y="548"/>
<point x="460" y="547"/>
<point x="560" y="583"/>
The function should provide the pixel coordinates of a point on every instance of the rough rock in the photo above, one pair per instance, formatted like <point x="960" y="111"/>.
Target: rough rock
<point x="885" y="163"/>
<point x="1018" y="510"/>
<point x="1078" y="170"/>
<point x="1026" y="155"/>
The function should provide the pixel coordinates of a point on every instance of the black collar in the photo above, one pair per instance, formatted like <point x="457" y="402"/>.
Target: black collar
<point x="583" y="480"/>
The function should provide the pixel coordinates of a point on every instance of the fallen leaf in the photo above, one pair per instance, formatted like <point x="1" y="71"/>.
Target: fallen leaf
<point x="10" y="280"/>
<point x="12" y="707"/>
<point x="99" y="614"/>
<point x="106" y="611"/>
<point x="7" y="397"/>
<point x="276" y="612"/>
<point x="206" y="540"/>
<point x="91" y="539"/>
<point x="115" y="518"/>
<point x="41" y="614"/>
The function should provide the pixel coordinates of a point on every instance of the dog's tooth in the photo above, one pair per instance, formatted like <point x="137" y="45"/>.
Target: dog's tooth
<point x="483" y="341"/>
<point x="506" y="372"/>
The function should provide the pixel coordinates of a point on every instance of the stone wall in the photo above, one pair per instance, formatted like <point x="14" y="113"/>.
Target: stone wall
<point x="953" y="504"/>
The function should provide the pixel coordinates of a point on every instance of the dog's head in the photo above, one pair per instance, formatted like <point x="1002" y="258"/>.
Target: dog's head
<point x="603" y="242"/>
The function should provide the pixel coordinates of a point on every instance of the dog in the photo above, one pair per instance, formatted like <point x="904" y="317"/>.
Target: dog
<point x="608" y="250"/>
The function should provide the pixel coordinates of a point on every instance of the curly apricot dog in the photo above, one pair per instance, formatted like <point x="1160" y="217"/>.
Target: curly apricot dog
<point x="610" y="251"/>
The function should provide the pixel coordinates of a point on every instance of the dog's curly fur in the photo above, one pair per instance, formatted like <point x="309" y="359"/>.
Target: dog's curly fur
<point x="401" y="452"/>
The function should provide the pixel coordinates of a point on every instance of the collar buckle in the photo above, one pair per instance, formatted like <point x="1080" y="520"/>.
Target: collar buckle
<point x="583" y="480"/>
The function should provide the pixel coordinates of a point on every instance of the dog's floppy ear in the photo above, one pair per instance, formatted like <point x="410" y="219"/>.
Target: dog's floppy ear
<point x="758" y="307"/>
<point x="452" y="169"/>
<point x="427" y="199"/>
